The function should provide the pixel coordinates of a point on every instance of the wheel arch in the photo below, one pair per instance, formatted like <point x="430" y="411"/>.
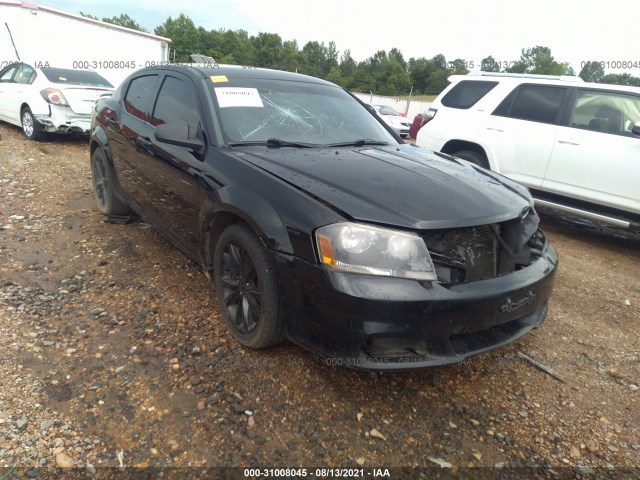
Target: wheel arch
<point x="234" y="205"/>
<point x="453" y="146"/>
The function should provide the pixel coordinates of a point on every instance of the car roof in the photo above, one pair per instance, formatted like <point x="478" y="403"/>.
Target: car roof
<point x="235" y="71"/>
<point x="517" y="78"/>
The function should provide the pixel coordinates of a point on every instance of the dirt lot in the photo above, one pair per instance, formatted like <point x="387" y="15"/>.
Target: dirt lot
<point x="114" y="354"/>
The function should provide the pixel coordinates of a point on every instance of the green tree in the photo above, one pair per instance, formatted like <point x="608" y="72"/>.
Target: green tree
<point x="348" y="68"/>
<point x="437" y="81"/>
<point x="621" y="79"/>
<point x="184" y="35"/>
<point x="268" y="49"/>
<point x="489" y="64"/>
<point x="125" y="20"/>
<point x="592" y="72"/>
<point x="539" y="60"/>
<point x="335" y="76"/>
<point x="314" y="59"/>
<point x="332" y="56"/>
<point x="419" y="71"/>
<point x="289" y="60"/>
<point x="458" y="67"/>
<point x="238" y="44"/>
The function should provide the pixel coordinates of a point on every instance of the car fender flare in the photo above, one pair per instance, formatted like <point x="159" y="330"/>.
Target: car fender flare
<point x="488" y="151"/>
<point x="99" y="139"/>
<point x="237" y="202"/>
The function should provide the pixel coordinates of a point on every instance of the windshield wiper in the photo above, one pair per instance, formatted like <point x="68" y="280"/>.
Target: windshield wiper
<point x="275" y="142"/>
<point x="358" y="143"/>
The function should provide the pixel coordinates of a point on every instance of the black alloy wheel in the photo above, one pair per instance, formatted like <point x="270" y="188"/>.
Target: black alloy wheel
<point x="247" y="288"/>
<point x="106" y="198"/>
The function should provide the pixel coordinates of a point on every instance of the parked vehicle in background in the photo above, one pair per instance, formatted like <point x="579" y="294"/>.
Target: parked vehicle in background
<point x="317" y="223"/>
<point x="46" y="99"/>
<point x="399" y="123"/>
<point x="575" y="145"/>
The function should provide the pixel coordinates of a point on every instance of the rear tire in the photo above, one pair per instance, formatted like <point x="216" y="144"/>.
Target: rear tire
<point x="473" y="157"/>
<point x="247" y="288"/>
<point x="30" y="127"/>
<point x="106" y="199"/>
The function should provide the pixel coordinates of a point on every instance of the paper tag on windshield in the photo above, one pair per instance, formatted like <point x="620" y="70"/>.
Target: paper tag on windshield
<point x="238" y="97"/>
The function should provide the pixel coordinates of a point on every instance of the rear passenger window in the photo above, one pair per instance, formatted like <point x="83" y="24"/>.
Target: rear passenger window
<point x="139" y="96"/>
<point x="467" y="93"/>
<point x="26" y="75"/>
<point x="538" y="103"/>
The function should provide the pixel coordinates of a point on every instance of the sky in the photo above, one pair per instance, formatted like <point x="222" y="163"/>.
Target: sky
<point x="575" y="31"/>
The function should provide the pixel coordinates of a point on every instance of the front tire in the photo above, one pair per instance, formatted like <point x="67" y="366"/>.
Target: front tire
<point x="473" y="157"/>
<point x="247" y="288"/>
<point x="30" y="127"/>
<point x="106" y="199"/>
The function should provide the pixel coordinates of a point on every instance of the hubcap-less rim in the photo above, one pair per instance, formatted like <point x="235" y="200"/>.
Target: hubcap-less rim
<point x="240" y="288"/>
<point x="100" y="183"/>
<point x="27" y="123"/>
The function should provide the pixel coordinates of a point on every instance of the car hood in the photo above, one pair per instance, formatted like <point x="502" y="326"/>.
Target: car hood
<point x="402" y="186"/>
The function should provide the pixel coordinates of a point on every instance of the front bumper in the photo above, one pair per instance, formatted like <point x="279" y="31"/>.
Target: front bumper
<point x="62" y="119"/>
<point x="379" y="323"/>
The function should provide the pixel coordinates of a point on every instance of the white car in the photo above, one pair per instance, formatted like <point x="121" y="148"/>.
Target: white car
<point x="49" y="99"/>
<point x="397" y="122"/>
<point x="576" y="145"/>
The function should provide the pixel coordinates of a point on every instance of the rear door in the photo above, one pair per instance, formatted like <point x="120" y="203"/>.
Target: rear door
<point x="596" y="157"/>
<point x="521" y="132"/>
<point x="125" y="134"/>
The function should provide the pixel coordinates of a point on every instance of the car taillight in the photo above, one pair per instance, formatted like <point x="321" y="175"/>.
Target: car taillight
<point x="53" y="95"/>
<point x="429" y="114"/>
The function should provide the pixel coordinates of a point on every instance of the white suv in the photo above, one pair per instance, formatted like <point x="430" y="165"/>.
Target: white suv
<point x="575" y="145"/>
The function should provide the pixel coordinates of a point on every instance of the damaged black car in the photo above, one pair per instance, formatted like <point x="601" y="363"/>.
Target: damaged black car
<point x="316" y="223"/>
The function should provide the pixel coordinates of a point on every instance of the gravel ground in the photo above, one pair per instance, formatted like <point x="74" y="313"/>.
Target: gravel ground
<point x="115" y="356"/>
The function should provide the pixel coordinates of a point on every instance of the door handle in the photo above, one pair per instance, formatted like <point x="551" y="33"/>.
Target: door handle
<point x="568" y="142"/>
<point x="495" y="129"/>
<point x="110" y="121"/>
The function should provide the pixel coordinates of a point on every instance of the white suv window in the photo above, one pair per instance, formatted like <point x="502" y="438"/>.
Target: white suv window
<point x="467" y="93"/>
<point x="538" y="103"/>
<point x="605" y="112"/>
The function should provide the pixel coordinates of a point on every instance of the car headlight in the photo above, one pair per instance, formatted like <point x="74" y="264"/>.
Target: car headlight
<point x="357" y="248"/>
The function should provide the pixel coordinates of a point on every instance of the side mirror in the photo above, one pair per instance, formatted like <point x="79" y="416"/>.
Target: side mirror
<point x="636" y="129"/>
<point x="178" y="134"/>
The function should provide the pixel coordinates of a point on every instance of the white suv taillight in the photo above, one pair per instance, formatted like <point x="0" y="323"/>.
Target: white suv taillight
<point x="429" y="114"/>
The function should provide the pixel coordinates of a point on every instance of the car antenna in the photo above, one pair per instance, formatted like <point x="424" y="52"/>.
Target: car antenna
<point x="12" y="42"/>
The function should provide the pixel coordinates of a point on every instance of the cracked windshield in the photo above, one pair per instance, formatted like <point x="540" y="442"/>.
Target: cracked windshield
<point x="294" y="112"/>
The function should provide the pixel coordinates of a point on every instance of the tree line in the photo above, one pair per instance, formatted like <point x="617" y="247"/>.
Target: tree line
<point x="384" y="73"/>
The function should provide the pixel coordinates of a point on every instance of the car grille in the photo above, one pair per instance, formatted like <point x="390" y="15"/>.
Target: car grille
<point x="479" y="253"/>
<point x="478" y="246"/>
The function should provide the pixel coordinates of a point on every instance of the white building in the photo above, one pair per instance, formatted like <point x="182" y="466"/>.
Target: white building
<point x="44" y="35"/>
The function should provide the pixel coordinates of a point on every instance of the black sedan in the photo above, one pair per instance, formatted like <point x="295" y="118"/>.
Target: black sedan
<point x="316" y="223"/>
